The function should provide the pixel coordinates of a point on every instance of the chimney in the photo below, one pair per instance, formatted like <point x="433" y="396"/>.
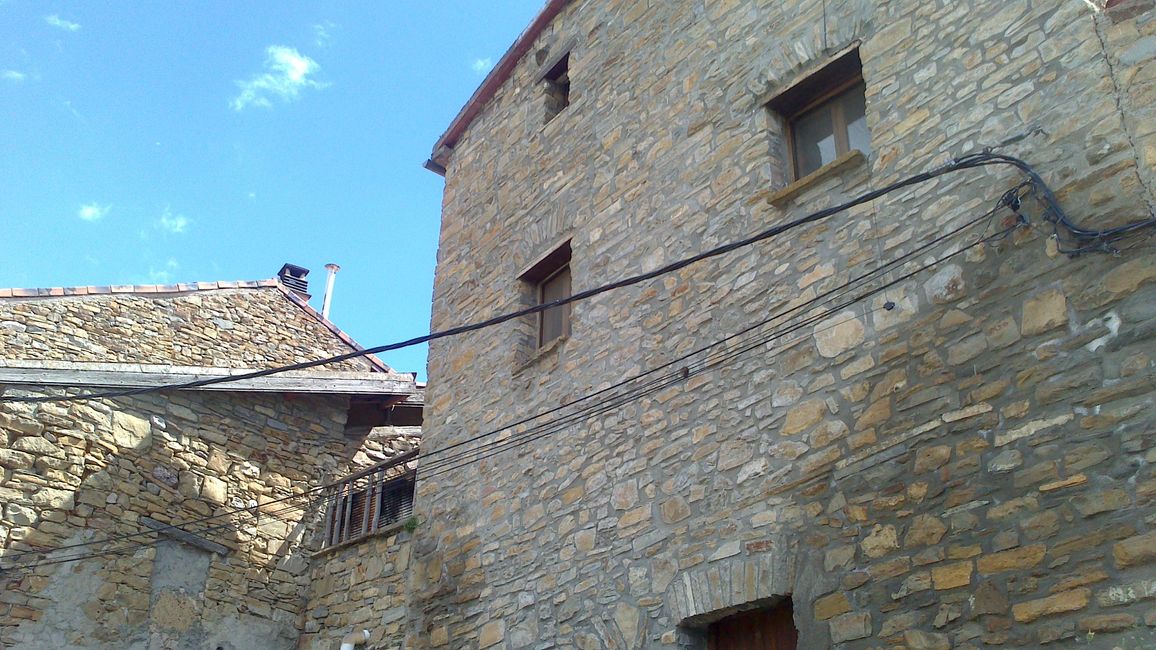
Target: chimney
<point x="293" y="277"/>
<point x="325" y="302"/>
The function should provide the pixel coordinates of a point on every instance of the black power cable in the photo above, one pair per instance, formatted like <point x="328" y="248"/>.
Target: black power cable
<point x="454" y="461"/>
<point x="1054" y="214"/>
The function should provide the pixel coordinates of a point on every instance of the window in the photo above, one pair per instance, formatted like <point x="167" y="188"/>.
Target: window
<point x="772" y="628"/>
<point x="365" y="503"/>
<point x="825" y="115"/>
<point x="557" y="86"/>
<point x="549" y="278"/>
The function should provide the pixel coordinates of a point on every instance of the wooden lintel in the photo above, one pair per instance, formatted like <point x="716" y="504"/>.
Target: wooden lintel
<point x="184" y="536"/>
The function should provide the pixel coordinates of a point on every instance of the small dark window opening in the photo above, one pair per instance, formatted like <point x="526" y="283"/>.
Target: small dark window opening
<point x="825" y="115"/>
<point x="550" y="278"/>
<point x="557" y="82"/>
<point x="771" y="628"/>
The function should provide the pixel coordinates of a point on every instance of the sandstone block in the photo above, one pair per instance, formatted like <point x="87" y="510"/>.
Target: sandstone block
<point x="925" y="530"/>
<point x="1140" y="549"/>
<point x="131" y="432"/>
<point x="1107" y="622"/>
<point x="625" y="495"/>
<point x="1097" y="502"/>
<point x="214" y="490"/>
<point x="1017" y="558"/>
<point x="1043" y="312"/>
<point x="1068" y="601"/>
<point x="988" y="599"/>
<point x="920" y="640"/>
<point x="950" y="576"/>
<point x="880" y="541"/>
<point x="831" y="605"/>
<point x="47" y="497"/>
<point x="675" y="510"/>
<point x="946" y="285"/>
<point x="13" y="459"/>
<point x="38" y="446"/>
<point x="848" y="627"/>
<point x="491" y="634"/>
<point x="930" y="458"/>
<point x="876" y="413"/>
<point x="840" y="333"/>
<point x="803" y="416"/>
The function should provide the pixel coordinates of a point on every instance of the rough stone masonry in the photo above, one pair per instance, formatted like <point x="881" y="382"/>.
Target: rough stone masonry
<point x="962" y="460"/>
<point x="84" y="484"/>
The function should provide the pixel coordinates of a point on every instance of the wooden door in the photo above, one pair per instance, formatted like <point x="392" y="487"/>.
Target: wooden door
<point x="760" y="629"/>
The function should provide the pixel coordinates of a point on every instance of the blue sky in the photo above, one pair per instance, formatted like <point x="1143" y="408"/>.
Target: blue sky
<point x="158" y="142"/>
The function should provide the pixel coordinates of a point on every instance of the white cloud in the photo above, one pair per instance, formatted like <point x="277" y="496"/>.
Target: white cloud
<point x="482" y="66"/>
<point x="60" y="23"/>
<point x="174" y="223"/>
<point x="323" y="33"/>
<point x="286" y="75"/>
<point x="14" y="76"/>
<point x="164" y="274"/>
<point x="93" y="211"/>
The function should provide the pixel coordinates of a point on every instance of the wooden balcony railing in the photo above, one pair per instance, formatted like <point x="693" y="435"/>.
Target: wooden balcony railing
<point x="368" y="501"/>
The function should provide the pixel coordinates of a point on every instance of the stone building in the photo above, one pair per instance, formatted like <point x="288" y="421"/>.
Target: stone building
<point x="182" y="519"/>
<point x="906" y="424"/>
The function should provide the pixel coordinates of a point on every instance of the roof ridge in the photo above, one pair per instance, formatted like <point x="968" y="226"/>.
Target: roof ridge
<point x="378" y="364"/>
<point x="120" y="289"/>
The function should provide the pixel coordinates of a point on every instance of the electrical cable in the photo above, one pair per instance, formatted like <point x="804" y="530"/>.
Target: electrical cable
<point x="426" y="465"/>
<point x="1054" y="214"/>
<point x="481" y="454"/>
<point x="1006" y="200"/>
<point x="976" y="160"/>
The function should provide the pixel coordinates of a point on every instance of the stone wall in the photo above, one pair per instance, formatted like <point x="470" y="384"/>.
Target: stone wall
<point x="227" y="328"/>
<point x="359" y="587"/>
<point x="971" y="466"/>
<point x="87" y="473"/>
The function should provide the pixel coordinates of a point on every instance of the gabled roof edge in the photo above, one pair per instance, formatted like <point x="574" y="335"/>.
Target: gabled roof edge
<point x="439" y="158"/>
<point x="377" y="364"/>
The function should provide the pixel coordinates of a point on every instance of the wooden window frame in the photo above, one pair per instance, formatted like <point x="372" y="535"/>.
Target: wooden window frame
<point x="377" y="498"/>
<point x="815" y="90"/>
<point x="539" y="275"/>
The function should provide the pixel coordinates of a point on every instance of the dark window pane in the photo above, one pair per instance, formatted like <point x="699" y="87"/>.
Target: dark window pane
<point x="555" y="322"/>
<point x="814" y="140"/>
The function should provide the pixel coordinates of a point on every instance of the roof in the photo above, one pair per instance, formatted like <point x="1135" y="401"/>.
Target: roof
<point x="189" y="328"/>
<point x="490" y="85"/>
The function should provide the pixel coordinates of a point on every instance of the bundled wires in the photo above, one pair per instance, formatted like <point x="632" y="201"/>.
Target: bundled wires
<point x="1091" y="240"/>
<point x="781" y="328"/>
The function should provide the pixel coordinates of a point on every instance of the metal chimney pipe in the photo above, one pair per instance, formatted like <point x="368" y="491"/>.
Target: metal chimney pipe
<point x="333" y="269"/>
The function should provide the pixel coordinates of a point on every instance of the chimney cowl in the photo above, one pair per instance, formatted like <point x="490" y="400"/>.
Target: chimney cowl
<point x="293" y="277"/>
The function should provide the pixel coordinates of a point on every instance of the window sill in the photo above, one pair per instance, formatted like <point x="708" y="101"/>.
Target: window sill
<point x="851" y="159"/>
<point x="541" y="353"/>
<point x="392" y="529"/>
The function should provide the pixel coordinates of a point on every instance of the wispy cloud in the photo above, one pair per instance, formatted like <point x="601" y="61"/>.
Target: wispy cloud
<point x="173" y="223"/>
<point x="286" y="74"/>
<point x="15" y="76"/>
<point x="164" y="274"/>
<point x="482" y="66"/>
<point x="323" y="33"/>
<point x="60" y="23"/>
<point x="93" y="211"/>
